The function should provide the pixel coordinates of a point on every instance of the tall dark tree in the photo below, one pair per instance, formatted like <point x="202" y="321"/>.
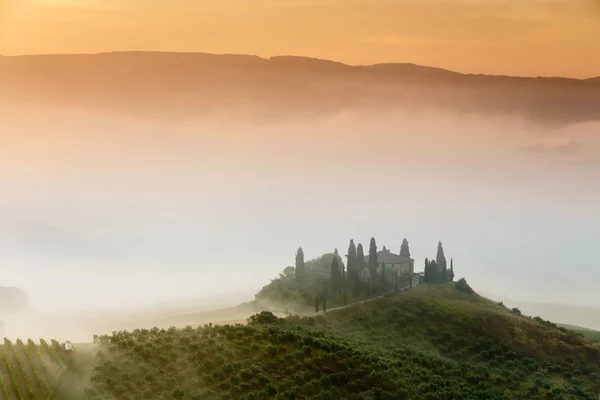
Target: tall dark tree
<point x="451" y="273"/>
<point x="300" y="268"/>
<point x="373" y="258"/>
<point x="336" y="275"/>
<point x="360" y="258"/>
<point x="351" y="264"/>
<point x="324" y="302"/>
<point x="427" y="272"/>
<point x="359" y="267"/>
<point x="317" y="304"/>
<point x="434" y="272"/>
<point x="404" y="249"/>
<point x="339" y="258"/>
<point x="440" y="260"/>
<point x="382" y="277"/>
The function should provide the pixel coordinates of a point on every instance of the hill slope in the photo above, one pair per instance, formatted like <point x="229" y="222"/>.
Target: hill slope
<point x="589" y="334"/>
<point x="427" y="343"/>
<point x="193" y="85"/>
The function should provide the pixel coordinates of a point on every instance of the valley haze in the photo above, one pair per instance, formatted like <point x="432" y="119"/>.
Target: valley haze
<point x="135" y="178"/>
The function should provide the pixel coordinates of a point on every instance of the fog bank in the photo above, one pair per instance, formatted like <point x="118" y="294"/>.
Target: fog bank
<point x="99" y="212"/>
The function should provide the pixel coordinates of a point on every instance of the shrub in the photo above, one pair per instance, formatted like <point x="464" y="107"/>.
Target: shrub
<point x="463" y="286"/>
<point x="263" y="318"/>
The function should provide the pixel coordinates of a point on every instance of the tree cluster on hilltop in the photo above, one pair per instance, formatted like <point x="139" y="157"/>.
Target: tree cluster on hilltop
<point x="437" y="271"/>
<point x="311" y="284"/>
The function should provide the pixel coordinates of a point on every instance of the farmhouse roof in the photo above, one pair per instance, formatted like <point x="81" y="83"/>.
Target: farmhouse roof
<point x="388" y="257"/>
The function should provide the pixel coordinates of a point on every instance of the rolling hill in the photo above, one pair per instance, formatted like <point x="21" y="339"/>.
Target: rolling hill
<point x="187" y="86"/>
<point x="430" y="342"/>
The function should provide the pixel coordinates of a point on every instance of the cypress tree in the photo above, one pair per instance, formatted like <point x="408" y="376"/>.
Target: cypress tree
<point x="440" y="260"/>
<point x="337" y="255"/>
<point x="382" y="277"/>
<point x="352" y="265"/>
<point x="434" y="272"/>
<point x="325" y="302"/>
<point x="451" y="275"/>
<point x="335" y="274"/>
<point x="373" y="257"/>
<point x="300" y="269"/>
<point x="404" y="249"/>
<point x="360" y="266"/>
<point x="427" y="272"/>
<point x="317" y="304"/>
<point x="360" y="258"/>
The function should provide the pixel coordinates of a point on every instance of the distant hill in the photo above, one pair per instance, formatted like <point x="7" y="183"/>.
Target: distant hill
<point x="193" y="85"/>
<point x="576" y="315"/>
<point x="588" y="317"/>
<point x="432" y="341"/>
<point x="589" y="334"/>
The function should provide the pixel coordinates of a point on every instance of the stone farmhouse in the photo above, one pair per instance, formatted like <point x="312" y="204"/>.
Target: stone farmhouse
<point x="404" y="265"/>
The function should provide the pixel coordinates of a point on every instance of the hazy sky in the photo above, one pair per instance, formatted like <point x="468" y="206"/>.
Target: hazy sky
<point x="107" y="212"/>
<point x="525" y="37"/>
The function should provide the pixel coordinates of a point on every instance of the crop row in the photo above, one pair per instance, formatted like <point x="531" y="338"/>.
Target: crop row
<point x="25" y="369"/>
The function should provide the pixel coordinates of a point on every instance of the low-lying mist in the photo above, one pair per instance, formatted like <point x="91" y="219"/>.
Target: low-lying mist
<point x="104" y="213"/>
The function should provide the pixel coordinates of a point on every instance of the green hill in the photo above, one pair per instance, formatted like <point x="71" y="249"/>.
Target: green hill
<point x="431" y="342"/>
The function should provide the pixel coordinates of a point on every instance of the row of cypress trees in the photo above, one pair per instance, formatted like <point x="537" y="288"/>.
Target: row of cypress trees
<point x="348" y="280"/>
<point x="344" y="280"/>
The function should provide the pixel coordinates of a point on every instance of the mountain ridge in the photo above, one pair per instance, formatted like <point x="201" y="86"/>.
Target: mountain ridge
<point x="312" y="61"/>
<point x="183" y="86"/>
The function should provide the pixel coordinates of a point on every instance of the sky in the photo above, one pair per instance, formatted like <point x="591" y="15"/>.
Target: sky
<point x="101" y="211"/>
<point x="528" y="37"/>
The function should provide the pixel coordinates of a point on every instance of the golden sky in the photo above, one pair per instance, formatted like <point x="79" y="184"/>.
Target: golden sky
<point x="515" y="37"/>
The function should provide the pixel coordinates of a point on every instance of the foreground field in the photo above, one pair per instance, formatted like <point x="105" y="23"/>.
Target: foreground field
<point x="432" y="342"/>
<point x="30" y="371"/>
<point x="428" y="343"/>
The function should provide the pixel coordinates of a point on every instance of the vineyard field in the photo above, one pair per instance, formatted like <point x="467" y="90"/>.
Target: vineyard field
<point x="43" y="370"/>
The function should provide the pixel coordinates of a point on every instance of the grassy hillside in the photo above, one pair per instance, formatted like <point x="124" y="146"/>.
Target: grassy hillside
<point x="432" y="342"/>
